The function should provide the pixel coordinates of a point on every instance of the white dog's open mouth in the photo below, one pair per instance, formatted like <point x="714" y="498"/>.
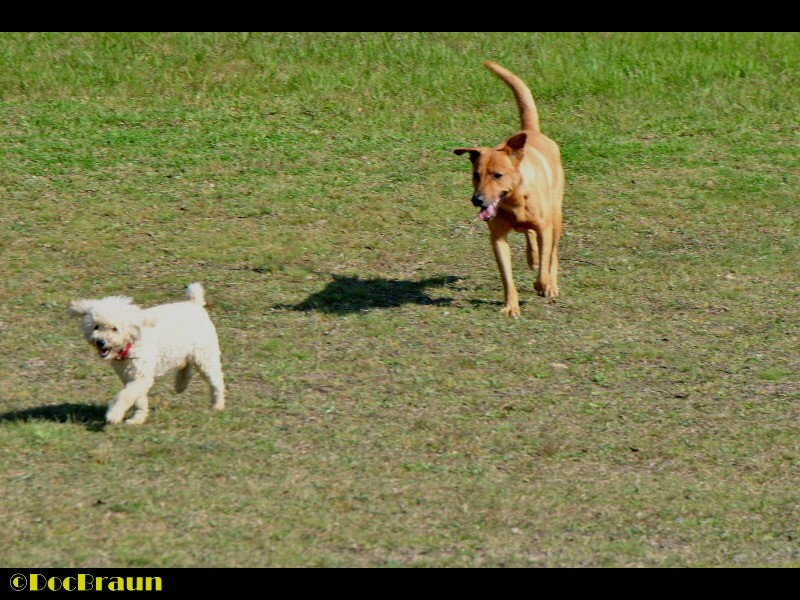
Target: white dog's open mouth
<point x="104" y="353"/>
<point x="488" y="213"/>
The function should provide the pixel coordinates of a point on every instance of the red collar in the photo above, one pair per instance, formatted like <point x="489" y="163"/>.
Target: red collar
<point x="124" y="352"/>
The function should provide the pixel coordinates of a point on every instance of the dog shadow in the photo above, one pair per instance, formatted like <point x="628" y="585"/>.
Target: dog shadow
<point x="498" y="303"/>
<point x="89" y="415"/>
<point x="352" y="294"/>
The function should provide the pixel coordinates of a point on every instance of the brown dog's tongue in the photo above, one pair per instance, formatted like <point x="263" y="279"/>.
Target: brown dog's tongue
<point x="487" y="213"/>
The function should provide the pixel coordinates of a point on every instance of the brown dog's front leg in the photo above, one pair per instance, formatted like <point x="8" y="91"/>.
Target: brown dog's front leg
<point x="502" y="254"/>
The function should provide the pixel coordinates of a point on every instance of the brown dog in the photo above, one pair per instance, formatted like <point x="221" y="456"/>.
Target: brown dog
<point x="519" y="185"/>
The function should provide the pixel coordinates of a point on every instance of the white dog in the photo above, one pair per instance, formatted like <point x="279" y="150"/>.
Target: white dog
<point x="142" y="344"/>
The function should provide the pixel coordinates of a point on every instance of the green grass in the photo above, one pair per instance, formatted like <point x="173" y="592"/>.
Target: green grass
<point x="381" y="412"/>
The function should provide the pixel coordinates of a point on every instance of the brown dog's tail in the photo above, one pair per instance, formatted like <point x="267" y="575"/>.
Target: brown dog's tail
<point x="527" y="109"/>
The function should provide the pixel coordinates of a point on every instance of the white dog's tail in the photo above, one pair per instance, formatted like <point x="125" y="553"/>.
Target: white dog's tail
<point x="195" y="293"/>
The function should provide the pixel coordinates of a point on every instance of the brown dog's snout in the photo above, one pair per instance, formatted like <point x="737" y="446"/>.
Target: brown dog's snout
<point x="478" y="200"/>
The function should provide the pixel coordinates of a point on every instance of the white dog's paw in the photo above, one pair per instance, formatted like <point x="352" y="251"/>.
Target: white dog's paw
<point x="137" y="418"/>
<point x="113" y="418"/>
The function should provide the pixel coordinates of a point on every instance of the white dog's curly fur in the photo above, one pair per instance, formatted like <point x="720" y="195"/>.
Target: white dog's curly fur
<point x="142" y="344"/>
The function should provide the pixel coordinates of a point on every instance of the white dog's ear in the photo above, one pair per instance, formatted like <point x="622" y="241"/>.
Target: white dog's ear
<point x="136" y="328"/>
<point x="135" y="331"/>
<point x="78" y="308"/>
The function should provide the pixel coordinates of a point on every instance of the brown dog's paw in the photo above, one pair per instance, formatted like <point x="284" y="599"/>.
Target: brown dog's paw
<point x="511" y="311"/>
<point x="548" y="290"/>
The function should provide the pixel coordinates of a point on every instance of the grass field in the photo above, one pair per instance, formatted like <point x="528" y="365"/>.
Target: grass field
<point x="381" y="411"/>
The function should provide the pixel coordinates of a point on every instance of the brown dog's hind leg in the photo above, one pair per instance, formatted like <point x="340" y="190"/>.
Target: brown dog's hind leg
<point x="554" y="258"/>
<point x="502" y="254"/>
<point x="532" y="249"/>
<point x="544" y="284"/>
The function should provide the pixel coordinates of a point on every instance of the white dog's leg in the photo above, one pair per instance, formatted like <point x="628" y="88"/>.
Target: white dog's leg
<point x="211" y="370"/>
<point x="134" y="392"/>
<point x="183" y="377"/>
<point x="140" y="411"/>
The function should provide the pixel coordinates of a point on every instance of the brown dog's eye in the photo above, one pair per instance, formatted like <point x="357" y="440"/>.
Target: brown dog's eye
<point x="497" y="175"/>
<point x="476" y="176"/>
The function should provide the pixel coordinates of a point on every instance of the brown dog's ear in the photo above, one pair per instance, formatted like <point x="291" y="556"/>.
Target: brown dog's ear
<point x="474" y="153"/>
<point x="516" y="144"/>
